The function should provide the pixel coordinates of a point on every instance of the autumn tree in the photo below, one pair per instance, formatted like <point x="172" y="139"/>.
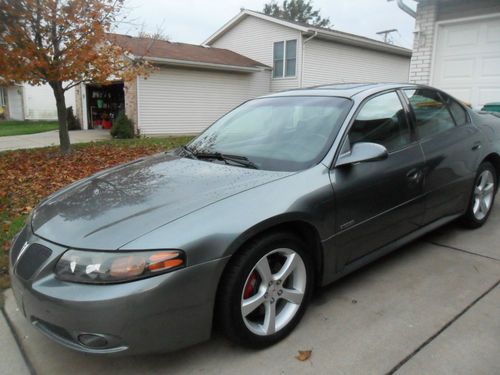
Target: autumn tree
<point x="62" y="43"/>
<point x="298" y="11"/>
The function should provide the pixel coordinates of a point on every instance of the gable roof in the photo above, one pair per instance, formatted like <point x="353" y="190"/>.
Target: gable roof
<point x="319" y="32"/>
<point x="183" y="54"/>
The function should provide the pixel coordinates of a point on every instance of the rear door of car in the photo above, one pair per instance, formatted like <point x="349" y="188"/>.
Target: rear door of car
<point x="451" y="146"/>
<point x="380" y="201"/>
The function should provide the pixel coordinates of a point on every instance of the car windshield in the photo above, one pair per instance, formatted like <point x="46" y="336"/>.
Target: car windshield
<point x="277" y="133"/>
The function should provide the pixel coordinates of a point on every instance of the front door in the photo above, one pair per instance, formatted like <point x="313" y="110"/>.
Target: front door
<point x="381" y="201"/>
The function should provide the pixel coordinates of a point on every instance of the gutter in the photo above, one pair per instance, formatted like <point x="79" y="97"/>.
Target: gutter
<point x="302" y="57"/>
<point x="199" y="64"/>
<point x="405" y="8"/>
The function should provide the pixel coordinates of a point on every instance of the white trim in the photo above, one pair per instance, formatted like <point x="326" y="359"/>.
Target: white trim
<point x="244" y="13"/>
<point x="199" y="64"/>
<point x="439" y="24"/>
<point x="83" y="99"/>
<point x="138" y="78"/>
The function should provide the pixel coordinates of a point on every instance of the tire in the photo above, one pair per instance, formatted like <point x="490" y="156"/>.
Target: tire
<point x="482" y="196"/>
<point x="247" y="279"/>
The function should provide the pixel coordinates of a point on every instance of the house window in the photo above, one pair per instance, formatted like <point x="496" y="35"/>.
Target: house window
<point x="3" y="97"/>
<point x="284" y="59"/>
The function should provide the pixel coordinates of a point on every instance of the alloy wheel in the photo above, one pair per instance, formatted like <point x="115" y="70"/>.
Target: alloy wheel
<point x="483" y="195"/>
<point x="273" y="291"/>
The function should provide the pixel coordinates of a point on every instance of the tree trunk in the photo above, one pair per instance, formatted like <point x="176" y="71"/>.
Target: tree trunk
<point x="64" y="142"/>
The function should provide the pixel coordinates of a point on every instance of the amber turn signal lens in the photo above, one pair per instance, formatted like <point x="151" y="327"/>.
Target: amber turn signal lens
<point x="132" y="265"/>
<point x="164" y="260"/>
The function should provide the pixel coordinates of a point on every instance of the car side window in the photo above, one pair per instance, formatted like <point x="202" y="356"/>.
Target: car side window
<point x="458" y="113"/>
<point x="431" y="112"/>
<point x="381" y="120"/>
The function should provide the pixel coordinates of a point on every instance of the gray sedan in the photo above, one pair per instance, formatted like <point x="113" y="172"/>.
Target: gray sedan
<point x="283" y="194"/>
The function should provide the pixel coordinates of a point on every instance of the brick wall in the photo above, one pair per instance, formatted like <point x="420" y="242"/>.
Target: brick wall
<point x="420" y="66"/>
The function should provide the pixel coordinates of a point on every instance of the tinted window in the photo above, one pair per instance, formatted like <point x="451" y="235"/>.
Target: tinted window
<point x="457" y="112"/>
<point x="281" y="133"/>
<point x="381" y="120"/>
<point x="431" y="113"/>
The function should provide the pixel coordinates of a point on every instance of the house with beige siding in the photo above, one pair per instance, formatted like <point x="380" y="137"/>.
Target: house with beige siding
<point x="251" y="55"/>
<point x="457" y="48"/>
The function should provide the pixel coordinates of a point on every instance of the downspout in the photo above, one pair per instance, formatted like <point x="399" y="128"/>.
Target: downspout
<point x="302" y="57"/>
<point x="405" y="8"/>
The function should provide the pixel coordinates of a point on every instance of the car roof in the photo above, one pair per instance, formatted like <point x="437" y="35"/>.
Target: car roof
<point x="346" y="90"/>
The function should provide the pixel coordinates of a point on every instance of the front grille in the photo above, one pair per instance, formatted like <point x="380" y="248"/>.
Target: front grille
<point x="18" y="245"/>
<point x="31" y="260"/>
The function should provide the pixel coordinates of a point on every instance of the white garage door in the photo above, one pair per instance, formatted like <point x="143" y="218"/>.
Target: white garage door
<point x="467" y="60"/>
<point x="15" y="102"/>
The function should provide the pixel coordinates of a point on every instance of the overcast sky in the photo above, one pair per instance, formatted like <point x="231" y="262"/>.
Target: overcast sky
<point x="192" y="21"/>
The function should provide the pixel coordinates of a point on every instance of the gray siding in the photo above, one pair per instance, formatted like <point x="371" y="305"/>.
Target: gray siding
<point x="254" y="38"/>
<point x="466" y="8"/>
<point x="327" y="62"/>
<point x="186" y="101"/>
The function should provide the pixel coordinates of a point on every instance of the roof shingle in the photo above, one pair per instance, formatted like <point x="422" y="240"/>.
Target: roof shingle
<point x="153" y="48"/>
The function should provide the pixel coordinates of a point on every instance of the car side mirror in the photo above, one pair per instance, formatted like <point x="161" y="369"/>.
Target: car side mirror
<point x="363" y="152"/>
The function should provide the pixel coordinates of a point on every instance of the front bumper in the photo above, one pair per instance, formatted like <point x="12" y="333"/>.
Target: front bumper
<point x="157" y="314"/>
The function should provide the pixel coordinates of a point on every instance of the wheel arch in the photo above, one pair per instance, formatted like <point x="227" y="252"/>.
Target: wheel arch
<point x="494" y="159"/>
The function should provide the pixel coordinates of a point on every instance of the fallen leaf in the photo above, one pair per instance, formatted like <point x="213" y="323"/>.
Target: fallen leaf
<point x="304" y="355"/>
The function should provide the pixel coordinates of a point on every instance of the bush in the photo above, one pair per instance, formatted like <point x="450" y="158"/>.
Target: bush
<point x="122" y="127"/>
<point x="71" y="120"/>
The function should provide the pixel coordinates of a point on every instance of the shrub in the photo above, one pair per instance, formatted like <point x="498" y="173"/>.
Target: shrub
<point x="71" y="120"/>
<point x="122" y="127"/>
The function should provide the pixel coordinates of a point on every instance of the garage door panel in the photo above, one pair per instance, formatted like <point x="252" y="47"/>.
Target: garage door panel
<point x="463" y="36"/>
<point x="458" y="68"/>
<point x="467" y="60"/>
<point x="490" y="67"/>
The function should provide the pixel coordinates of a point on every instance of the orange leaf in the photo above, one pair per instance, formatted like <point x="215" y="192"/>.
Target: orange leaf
<point x="304" y="355"/>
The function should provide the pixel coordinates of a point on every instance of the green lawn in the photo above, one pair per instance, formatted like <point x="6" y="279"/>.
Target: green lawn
<point x="25" y="127"/>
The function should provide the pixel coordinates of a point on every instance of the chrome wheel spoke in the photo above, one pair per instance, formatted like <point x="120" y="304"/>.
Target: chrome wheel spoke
<point x="250" y="304"/>
<point x="293" y="296"/>
<point x="484" y="206"/>
<point x="288" y="268"/>
<point x="273" y="306"/>
<point x="489" y="187"/>
<point x="264" y="271"/>
<point x="269" y="325"/>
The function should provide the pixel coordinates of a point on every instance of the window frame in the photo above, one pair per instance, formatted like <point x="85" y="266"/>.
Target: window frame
<point x="448" y="100"/>
<point x="345" y="135"/>
<point x="442" y="96"/>
<point x="285" y="58"/>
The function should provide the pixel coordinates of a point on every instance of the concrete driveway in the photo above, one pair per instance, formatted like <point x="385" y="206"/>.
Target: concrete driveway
<point x="432" y="307"/>
<point x="51" y="138"/>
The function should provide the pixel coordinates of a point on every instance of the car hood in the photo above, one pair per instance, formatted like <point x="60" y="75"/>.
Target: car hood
<point x="114" y="207"/>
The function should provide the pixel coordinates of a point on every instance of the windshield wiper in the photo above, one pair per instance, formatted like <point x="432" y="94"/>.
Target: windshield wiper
<point x="188" y="151"/>
<point x="241" y="160"/>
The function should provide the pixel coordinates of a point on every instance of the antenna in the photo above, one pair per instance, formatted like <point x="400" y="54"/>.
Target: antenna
<point x="386" y="34"/>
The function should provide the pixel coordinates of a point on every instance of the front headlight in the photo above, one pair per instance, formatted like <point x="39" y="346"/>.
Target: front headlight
<point x="100" y="267"/>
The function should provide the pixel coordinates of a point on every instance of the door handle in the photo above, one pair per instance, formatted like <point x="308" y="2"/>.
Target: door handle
<point x="476" y="146"/>
<point x="413" y="175"/>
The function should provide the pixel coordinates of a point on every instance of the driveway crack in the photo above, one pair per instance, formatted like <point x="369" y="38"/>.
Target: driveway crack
<point x="462" y="250"/>
<point x="441" y="330"/>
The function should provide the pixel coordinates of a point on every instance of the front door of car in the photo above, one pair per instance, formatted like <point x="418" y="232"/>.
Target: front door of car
<point x="380" y="201"/>
<point x="451" y="146"/>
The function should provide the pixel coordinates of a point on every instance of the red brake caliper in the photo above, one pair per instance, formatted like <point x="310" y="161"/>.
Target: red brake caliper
<point x="250" y="285"/>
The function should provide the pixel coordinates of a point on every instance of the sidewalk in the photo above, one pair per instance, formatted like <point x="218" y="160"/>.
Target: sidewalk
<point x="50" y="138"/>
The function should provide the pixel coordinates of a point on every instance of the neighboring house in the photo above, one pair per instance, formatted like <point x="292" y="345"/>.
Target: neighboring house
<point x="252" y="55"/>
<point x="302" y="55"/>
<point x="457" y="48"/>
<point x="27" y="102"/>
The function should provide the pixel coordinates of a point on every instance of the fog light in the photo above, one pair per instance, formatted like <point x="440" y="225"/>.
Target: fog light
<point x="93" y="341"/>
